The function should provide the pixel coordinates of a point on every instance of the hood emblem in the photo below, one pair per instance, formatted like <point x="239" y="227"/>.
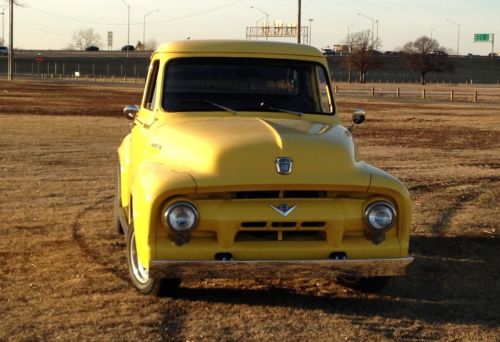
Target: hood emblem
<point x="284" y="165"/>
<point x="284" y="209"/>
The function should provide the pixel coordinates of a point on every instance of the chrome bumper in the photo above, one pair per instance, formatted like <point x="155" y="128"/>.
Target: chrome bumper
<point x="278" y="268"/>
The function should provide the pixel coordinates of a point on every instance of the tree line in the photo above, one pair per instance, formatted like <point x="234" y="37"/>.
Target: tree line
<point x="422" y="55"/>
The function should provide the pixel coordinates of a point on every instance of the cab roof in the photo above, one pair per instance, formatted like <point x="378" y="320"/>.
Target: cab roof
<point x="238" y="46"/>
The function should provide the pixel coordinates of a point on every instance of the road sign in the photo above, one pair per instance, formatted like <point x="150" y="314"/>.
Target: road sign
<point x="481" y="37"/>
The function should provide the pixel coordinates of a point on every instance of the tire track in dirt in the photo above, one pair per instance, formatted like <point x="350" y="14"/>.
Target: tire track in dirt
<point x="91" y="253"/>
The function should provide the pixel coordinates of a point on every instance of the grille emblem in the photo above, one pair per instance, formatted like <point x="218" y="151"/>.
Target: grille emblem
<point x="284" y="209"/>
<point x="284" y="165"/>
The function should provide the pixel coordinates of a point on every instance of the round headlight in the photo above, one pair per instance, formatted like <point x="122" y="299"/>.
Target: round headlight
<point x="380" y="216"/>
<point x="181" y="216"/>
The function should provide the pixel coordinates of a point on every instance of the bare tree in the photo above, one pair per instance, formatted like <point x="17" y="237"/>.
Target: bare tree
<point x="424" y="55"/>
<point x="364" y="55"/>
<point x="150" y="45"/>
<point x="85" y="38"/>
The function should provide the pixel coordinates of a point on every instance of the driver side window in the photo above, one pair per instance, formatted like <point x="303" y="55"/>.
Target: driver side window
<point x="151" y="89"/>
<point x="324" y="91"/>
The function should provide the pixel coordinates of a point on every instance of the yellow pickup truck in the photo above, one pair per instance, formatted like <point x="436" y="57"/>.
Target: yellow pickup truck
<point x="237" y="166"/>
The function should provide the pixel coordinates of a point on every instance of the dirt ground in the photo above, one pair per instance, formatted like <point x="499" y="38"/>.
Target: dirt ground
<point x="63" y="271"/>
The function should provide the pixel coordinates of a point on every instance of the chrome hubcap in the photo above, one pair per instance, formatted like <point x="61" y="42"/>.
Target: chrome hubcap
<point x="140" y="272"/>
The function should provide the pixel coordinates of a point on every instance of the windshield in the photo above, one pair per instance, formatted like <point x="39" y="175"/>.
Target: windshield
<point x="246" y="84"/>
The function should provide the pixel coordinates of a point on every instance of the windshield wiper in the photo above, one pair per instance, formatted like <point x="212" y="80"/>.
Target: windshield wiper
<point x="263" y="106"/>
<point x="227" y="109"/>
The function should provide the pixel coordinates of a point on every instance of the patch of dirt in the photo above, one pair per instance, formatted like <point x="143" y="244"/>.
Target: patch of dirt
<point x="63" y="272"/>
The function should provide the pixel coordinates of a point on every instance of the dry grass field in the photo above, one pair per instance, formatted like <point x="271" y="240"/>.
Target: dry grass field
<point x="63" y="271"/>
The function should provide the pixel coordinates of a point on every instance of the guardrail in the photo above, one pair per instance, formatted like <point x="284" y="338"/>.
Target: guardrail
<point x="79" y="53"/>
<point x="491" y="93"/>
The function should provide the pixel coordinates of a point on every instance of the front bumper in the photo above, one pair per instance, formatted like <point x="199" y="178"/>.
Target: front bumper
<point x="278" y="268"/>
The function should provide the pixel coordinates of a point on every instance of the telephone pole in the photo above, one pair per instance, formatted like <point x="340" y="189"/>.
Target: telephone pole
<point x="298" y="22"/>
<point x="10" y="73"/>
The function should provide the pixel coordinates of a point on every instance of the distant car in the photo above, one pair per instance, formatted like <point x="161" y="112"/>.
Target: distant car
<point x="4" y="51"/>
<point x="493" y="55"/>
<point x="92" y="48"/>
<point x="130" y="48"/>
<point x="328" y="52"/>
<point x="439" y="53"/>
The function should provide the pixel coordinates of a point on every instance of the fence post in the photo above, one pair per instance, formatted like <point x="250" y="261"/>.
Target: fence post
<point x="423" y="93"/>
<point x="475" y="96"/>
<point x="452" y="95"/>
<point x="336" y="89"/>
<point x="397" y="92"/>
<point x="373" y="91"/>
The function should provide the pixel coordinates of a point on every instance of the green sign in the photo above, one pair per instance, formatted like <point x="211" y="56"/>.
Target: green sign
<point x="482" y="37"/>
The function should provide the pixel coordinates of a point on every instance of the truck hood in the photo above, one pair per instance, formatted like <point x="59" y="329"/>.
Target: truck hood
<point x="241" y="152"/>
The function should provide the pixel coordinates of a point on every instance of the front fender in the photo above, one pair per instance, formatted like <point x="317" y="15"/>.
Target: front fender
<point x="154" y="182"/>
<point x="383" y="182"/>
<point x="124" y="161"/>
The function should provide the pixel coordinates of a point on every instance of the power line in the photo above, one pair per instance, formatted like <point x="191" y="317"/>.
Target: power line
<point x="214" y="9"/>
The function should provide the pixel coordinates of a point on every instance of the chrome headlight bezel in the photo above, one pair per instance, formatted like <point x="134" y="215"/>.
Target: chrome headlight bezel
<point x="373" y="225"/>
<point x="171" y="209"/>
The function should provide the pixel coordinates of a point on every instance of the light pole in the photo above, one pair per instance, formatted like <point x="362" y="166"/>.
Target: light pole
<point x="310" y="31"/>
<point x="144" y="28"/>
<point x="10" y="72"/>
<point x="433" y="29"/>
<point x="128" y="25"/>
<point x="349" y="34"/>
<point x="299" y="19"/>
<point x="3" y="25"/>
<point x="458" y="34"/>
<point x="373" y="24"/>
<point x="266" y="15"/>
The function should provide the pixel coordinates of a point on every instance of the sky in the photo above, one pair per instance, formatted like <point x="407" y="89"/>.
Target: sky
<point x="50" y="24"/>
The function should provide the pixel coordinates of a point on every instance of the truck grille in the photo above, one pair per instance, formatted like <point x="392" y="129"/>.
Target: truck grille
<point x="279" y="194"/>
<point x="269" y="235"/>
<point x="287" y="224"/>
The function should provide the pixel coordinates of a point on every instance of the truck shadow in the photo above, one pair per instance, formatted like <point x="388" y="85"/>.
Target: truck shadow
<point x="453" y="280"/>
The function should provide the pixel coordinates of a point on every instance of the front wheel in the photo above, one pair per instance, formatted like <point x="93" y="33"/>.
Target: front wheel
<point x="373" y="284"/>
<point x="139" y="274"/>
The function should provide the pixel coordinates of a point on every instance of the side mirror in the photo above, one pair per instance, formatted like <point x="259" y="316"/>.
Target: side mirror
<point x="130" y="111"/>
<point x="358" y="117"/>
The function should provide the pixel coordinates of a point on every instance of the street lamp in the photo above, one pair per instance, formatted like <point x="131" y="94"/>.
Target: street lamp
<point x="299" y="20"/>
<point x="310" y="31"/>
<point x="128" y="25"/>
<point x="349" y="34"/>
<point x="266" y="15"/>
<point x="458" y="35"/>
<point x="373" y="24"/>
<point x="3" y="24"/>
<point x="144" y="28"/>
<point x="433" y="29"/>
